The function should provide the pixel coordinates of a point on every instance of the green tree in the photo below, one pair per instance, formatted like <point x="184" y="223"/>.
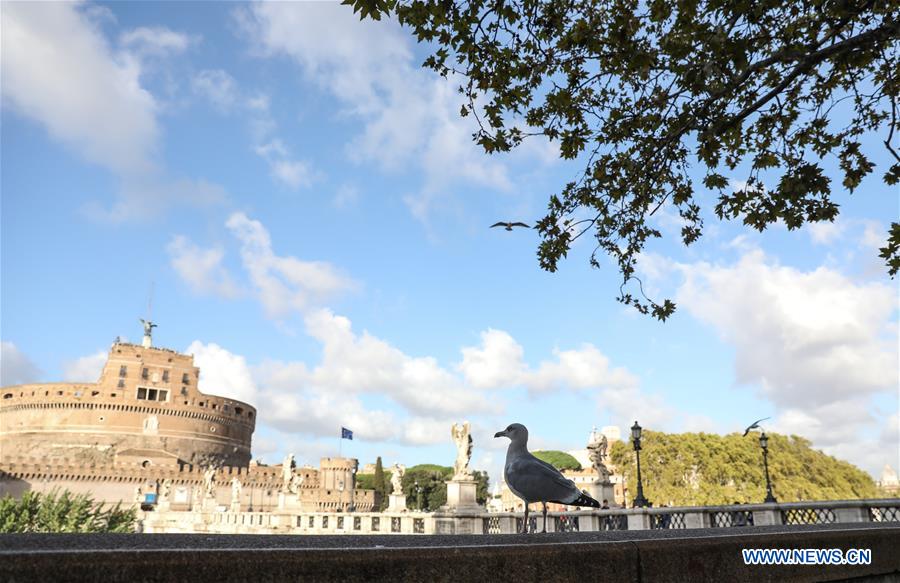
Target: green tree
<point x="558" y="459"/>
<point x="642" y="91"/>
<point x="62" y="512"/>
<point x="691" y="469"/>
<point x="379" y="485"/>
<point x="431" y="480"/>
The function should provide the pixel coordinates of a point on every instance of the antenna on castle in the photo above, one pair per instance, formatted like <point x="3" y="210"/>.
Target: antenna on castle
<point x="150" y="302"/>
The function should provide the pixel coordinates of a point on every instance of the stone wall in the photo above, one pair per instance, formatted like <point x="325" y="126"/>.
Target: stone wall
<point x="146" y="399"/>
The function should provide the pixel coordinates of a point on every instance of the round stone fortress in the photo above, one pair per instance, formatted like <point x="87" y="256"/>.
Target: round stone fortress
<point x="145" y="409"/>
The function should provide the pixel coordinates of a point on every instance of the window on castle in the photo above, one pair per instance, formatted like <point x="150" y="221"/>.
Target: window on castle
<point x="151" y="394"/>
<point x="163" y="396"/>
<point x="142" y="393"/>
<point x="145" y="374"/>
<point x="121" y="383"/>
<point x="185" y="379"/>
<point x="123" y="370"/>
<point x="165" y="376"/>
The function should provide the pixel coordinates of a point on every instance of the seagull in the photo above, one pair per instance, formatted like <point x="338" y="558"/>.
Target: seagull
<point x="534" y="480"/>
<point x="754" y="426"/>
<point x="509" y="226"/>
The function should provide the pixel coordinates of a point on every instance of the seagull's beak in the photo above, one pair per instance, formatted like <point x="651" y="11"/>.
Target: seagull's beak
<point x="500" y="434"/>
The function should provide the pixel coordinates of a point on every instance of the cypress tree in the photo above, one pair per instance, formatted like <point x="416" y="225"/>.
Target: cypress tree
<point x="380" y="496"/>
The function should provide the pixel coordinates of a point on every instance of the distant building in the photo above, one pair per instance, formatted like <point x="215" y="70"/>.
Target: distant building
<point x="145" y="423"/>
<point x="889" y="483"/>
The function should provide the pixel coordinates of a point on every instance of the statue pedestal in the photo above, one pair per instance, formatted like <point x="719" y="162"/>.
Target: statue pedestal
<point x="601" y="491"/>
<point x="397" y="503"/>
<point x="235" y="507"/>
<point x="209" y="505"/>
<point x="461" y="495"/>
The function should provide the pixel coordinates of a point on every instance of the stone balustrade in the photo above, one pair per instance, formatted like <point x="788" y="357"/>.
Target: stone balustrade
<point x="663" y="518"/>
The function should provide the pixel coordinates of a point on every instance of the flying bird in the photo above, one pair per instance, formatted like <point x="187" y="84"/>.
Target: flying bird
<point x="754" y="426"/>
<point x="509" y="226"/>
<point x="534" y="480"/>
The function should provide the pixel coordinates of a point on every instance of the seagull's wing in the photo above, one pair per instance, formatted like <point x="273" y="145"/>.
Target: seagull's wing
<point x="537" y="481"/>
<point x="754" y="425"/>
<point x="520" y="225"/>
<point x="501" y="224"/>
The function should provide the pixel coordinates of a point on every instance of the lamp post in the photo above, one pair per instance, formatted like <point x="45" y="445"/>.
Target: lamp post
<point x="639" y="500"/>
<point x="764" y="444"/>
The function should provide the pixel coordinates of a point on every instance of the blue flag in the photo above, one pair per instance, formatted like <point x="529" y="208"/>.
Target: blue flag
<point x="346" y="434"/>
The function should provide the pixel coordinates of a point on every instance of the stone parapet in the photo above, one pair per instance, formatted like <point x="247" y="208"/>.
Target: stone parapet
<point x="698" y="556"/>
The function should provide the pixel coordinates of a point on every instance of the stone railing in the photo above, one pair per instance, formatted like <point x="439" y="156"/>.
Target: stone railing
<point x="736" y="516"/>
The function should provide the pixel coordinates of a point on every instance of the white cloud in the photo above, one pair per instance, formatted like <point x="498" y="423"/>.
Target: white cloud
<point x="223" y="373"/>
<point x="156" y="41"/>
<point x="283" y="284"/>
<point x="218" y="87"/>
<point x="819" y="345"/>
<point x="825" y="232"/>
<point x="59" y="71"/>
<point x="292" y="173"/>
<point x="410" y="115"/>
<point x="497" y="362"/>
<point x="201" y="269"/>
<point x="801" y="337"/>
<point x="15" y="367"/>
<point x="363" y="363"/>
<point x="86" y="369"/>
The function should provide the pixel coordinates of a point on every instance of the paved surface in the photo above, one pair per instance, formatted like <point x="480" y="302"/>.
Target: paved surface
<point x="18" y="543"/>
<point x="676" y="556"/>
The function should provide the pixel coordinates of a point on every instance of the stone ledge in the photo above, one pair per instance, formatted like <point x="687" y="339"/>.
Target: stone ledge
<point x="689" y="556"/>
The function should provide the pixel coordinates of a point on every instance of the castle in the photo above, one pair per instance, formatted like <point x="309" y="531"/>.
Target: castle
<point x="143" y="424"/>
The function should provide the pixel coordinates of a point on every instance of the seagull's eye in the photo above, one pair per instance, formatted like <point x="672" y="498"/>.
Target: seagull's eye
<point x="510" y="428"/>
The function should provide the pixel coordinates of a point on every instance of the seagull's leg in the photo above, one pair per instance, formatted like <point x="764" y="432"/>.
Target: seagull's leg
<point x="525" y="522"/>
<point x="545" y="516"/>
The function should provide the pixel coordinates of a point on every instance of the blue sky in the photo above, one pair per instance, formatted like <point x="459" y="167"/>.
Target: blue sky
<point x="312" y="216"/>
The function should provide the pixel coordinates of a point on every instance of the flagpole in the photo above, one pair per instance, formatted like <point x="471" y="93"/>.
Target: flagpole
<point x="341" y="444"/>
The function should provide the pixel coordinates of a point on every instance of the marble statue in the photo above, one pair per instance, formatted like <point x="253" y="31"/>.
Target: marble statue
<point x="165" y="489"/>
<point x="287" y="472"/>
<point x="209" y="481"/>
<point x="397" y="472"/>
<point x="296" y="482"/>
<point x="598" y="450"/>
<point x="138" y="495"/>
<point x="235" y="490"/>
<point x="463" y="439"/>
<point x="148" y="327"/>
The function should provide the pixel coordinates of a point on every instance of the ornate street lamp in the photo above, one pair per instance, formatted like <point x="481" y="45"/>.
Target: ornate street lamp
<point x="418" y="490"/>
<point x="764" y="444"/>
<point x="639" y="500"/>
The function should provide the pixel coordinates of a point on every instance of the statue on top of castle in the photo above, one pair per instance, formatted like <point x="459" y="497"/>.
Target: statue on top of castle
<point x="463" y="439"/>
<point x="148" y="332"/>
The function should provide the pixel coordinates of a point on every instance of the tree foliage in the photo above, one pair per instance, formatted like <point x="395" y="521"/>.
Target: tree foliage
<point x="62" y="512"/>
<point x="692" y="469"/>
<point x="425" y="486"/>
<point x="642" y="91"/>
<point x="558" y="459"/>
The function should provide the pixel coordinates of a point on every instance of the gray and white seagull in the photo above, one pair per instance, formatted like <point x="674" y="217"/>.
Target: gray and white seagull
<point x="534" y="480"/>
